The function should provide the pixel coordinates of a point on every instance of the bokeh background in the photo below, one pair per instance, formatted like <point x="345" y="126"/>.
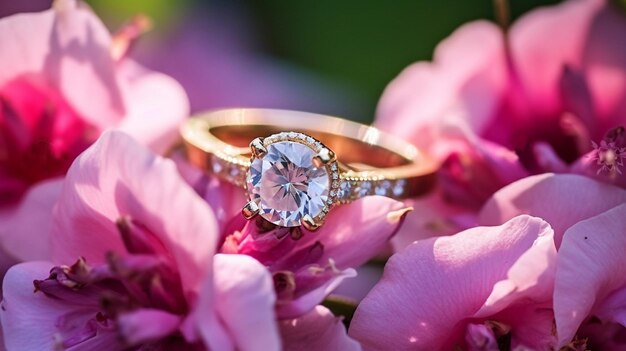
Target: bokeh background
<point x="325" y="56"/>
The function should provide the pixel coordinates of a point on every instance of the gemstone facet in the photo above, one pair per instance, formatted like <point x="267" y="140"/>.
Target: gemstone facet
<point x="286" y="184"/>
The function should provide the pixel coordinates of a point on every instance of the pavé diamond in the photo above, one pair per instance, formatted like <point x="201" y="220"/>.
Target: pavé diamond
<point x="287" y="185"/>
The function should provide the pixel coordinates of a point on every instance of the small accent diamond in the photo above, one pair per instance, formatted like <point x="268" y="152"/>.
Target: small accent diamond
<point x="363" y="188"/>
<point x="398" y="188"/>
<point x="382" y="188"/>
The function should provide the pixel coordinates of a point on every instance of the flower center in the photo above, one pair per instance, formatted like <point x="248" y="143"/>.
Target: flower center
<point x="40" y="135"/>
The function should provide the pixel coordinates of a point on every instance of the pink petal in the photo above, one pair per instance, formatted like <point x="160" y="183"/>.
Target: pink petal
<point x="539" y="59"/>
<point x="225" y="199"/>
<point x="605" y="60"/>
<point x="432" y="216"/>
<point x="311" y="298"/>
<point x="70" y="46"/>
<point x="317" y="330"/>
<point x="591" y="265"/>
<point x="547" y="159"/>
<point x="583" y="36"/>
<point x="146" y="325"/>
<point x="353" y="234"/>
<point x="430" y="289"/>
<point x="242" y="296"/>
<point x="117" y="177"/>
<point x="29" y="319"/>
<point x="357" y="288"/>
<point x="477" y="168"/>
<point x="157" y="106"/>
<point x="562" y="200"/>
<point x="424" y="95"/>
<point x="25" y="233"/>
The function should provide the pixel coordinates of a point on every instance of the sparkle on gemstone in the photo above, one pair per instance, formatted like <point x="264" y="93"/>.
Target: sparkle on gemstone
<point x="382" y="188"/>
<point x="345" y="189"/>
<point x="363" y="188"/>
<point x="398" y="189"/>
<point x="287" y="185"/>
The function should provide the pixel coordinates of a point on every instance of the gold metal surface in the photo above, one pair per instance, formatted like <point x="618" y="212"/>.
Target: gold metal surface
<point x="364" y="153"/>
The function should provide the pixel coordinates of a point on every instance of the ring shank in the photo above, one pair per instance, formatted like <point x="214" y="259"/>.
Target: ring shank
<point x="219" y="139"/>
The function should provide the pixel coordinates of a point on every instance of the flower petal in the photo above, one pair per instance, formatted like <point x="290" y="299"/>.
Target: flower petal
<point x="158" y="104"/>
<point x="146" y="325"/>
<point x="432" y="216"/>
<point x="70" y="46"/>
<point x="25" y="233"/>
<point x="562" y="200"/>
<point x="317" y="330"/>
<point x="355" y="233"/>
<point x="583" y="36"/>
<point x="29" y="319"/>
<point x="425" y="92"/>
<point x="242" y="294"/>
<point x="224" y="198"/>
<point x="117" y="177"/>
<point x="432" y="287"/>
<point x="591" y="264"/>
<point x="311" y="297"/>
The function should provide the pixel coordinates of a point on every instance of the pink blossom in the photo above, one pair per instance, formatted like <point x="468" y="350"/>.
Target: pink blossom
<point x="307" y="266"/>
<point x="494" y="108"/>
<point x="474" y="290"/>
<point x="588" y="221"/>
<point x="62" y="82"/>
<point x="134" y="266"/>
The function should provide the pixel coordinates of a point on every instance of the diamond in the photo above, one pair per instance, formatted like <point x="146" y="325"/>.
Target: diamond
<point x="382" y="188"/>
<point x="234" y="171"/>
<point x="363" y="188"/>
<point x="398" y="189"/>
<point x="345" y="190"/>
<point x="287" y="185"/>
<point x="216" y="165"/>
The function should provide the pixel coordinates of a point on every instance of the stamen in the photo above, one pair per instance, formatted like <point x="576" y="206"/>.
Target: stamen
<point x="284" y="285"/>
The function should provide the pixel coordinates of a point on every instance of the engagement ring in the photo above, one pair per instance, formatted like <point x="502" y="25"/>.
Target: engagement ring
<point x="296" y="166"/>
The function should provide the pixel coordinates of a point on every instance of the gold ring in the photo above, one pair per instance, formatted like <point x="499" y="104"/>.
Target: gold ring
<point x="296" y="166"/>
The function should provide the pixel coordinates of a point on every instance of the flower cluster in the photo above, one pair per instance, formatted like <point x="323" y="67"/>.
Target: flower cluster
<point x="106" y="245"/>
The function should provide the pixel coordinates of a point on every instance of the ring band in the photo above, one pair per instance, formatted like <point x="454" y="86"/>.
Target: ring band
<point x="360" y="160"/>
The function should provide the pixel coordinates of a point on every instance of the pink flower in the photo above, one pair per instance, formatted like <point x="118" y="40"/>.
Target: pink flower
<point x="63" y="80"/>
<point x="588" y="221"/>
<point x="307" y="266"/>
<point x="133" y="266"/>
<point x="494" y="108"/>
<point x="476" y="289"/>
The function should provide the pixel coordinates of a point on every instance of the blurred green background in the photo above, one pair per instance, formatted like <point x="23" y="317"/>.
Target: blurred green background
<point x="358" y="45"/>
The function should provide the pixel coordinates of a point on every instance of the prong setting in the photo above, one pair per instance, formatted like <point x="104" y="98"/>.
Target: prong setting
<point x="250" y="210"/>
<point x="258" y="148"/>
<point x="324" y="157"/>
<point x="309" y="223"/>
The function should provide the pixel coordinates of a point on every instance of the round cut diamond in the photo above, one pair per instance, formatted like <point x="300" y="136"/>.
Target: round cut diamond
<point x="286" y="184"/>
